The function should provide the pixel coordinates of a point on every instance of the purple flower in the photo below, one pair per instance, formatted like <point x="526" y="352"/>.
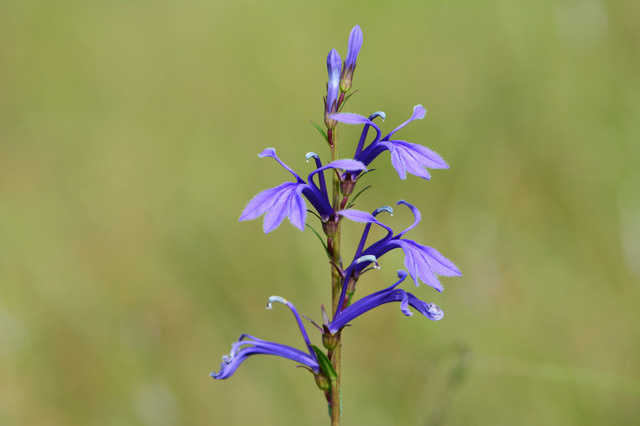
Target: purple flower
<point x="286" y="200"/>
<point x="423" y="263"/>
<point x="405" y="156"/>
<point x="248" y="345"/>
<point x="334" y="63"/>
<point x="355" y="43"/>
<point x="388" y="295"/>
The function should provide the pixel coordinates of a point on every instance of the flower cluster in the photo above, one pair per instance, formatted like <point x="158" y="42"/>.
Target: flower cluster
<point x="293" y="200"/>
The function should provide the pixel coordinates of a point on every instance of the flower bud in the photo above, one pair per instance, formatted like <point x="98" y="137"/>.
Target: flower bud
<point x="355" y="43"/>
<point x="334" y="63"/>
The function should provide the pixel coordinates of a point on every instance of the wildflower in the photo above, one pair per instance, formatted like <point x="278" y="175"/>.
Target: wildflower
<point x="388" y="295"/>
<point x="286" y="199"/>
<point x="423" y="263"/>
<point x="355" y="43"/>
<point x="405" y="156"/>
<point x="248" y="345"/>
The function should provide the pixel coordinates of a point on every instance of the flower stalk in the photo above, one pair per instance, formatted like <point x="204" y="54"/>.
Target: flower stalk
<point x="331" y="203"/>
<point x="335" y="352"/>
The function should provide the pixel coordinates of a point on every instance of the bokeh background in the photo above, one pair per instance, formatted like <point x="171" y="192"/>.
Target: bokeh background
<point x="128" y="140"/>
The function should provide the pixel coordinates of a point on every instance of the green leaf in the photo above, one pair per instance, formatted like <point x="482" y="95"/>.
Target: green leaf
<point x="324" y="135"/>
<point x="358" y="194"/>
<point x="346" y="99"/>
<point x="325" y="364"/>
<point x="320" y="238"/>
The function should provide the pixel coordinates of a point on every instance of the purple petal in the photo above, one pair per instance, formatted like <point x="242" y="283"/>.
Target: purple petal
<point x="347" y="164"/>
<point x="429" y="310"/>
<point x="351" y="118"/>
<point x="416" y="215"/>
<point x="418" y="113"/>
<point x="334" y="65"/>
<point x="278" y="203"/>
<point x="248" y="345"/>
<point x="388" y="295"/>
<point x="270" y="152"/>
<point x="260" y="203"/>
<point x="417" y="266"/>
<point x="404" y="305"/>
<point x="298" y="210"/>
<point x="288" y="203"/>
<point x="413" y="158"/>
<point x="358" y="216"/>
<point x="355" y="43"/>
<point x="323" y="204"/>
<point x="440" y="264"/>
<point x="294" y="311"/>
<point x="424" y="263"/>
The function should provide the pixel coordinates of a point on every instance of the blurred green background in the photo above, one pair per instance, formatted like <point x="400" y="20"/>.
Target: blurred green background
<point x="128" y="140"/>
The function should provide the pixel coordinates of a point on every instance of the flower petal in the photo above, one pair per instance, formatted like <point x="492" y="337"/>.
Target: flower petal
<point x="358" y="216"/>
<point x="417" y="217"/>
<point x="278" y="203"/>
<point x="424" y="263"/>
<point x="388" y="295"/>
<point x="413" y="158"/>
<point x="290" y="203"/>
<point x="294" y="311"/>
<point x="270" y="152"/>
<point x="355" y="43"/>
<point x="418" y="113"/>
<point x="347" y="164"/>
<point x="248" y="345"/>
<point x="351" y="118"/>
<point x="334" y="65"/>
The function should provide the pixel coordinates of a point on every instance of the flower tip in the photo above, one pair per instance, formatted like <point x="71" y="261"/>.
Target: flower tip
<point x="311" y="155"/>
<point x="268" y="152"/>
<point x="386" y="209"/>
<point x="334" y="62"/>
<point x="355" y="37"/>
<point x="402" y="274"/>
<point x="419" y="112"/>
<point x="276" y="299"/>
<point x="434" y="311"/>
<point x="378" y="114"/>
<point x="368" y="258"/>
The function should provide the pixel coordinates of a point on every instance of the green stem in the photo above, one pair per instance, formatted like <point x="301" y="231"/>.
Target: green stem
<point x="336" y="285"/>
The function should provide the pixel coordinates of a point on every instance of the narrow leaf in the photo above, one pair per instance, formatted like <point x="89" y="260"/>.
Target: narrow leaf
<point x="324" y="135"/>
<point x="325" y="363"/>
<point x="358" y="194"/>
<point x="326" y="250"/>
<point x="346" y="99"/>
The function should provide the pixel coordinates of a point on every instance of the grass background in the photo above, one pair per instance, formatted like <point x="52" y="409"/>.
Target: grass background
<point x="128" y="134"/>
